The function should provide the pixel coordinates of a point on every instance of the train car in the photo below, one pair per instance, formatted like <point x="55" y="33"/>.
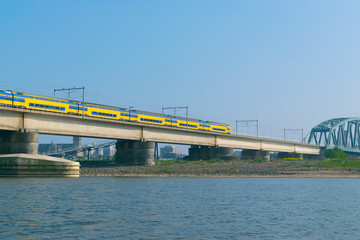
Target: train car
<point x="49" y="104"/>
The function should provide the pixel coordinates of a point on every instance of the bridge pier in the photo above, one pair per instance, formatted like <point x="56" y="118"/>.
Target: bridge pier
<point x="131" y="152"/>
<point x="22" y="141"/>
<point x="248" y="154"/>
<point x="206" y="153"/>
<point x="282" y="155"/>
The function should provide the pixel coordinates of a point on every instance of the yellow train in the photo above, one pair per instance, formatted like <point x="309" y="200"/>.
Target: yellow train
<point x="49" y="104"/>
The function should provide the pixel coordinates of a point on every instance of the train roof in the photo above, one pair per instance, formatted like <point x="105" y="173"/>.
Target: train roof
<point x="175" y="117"/>
<point x="70" y="101"/>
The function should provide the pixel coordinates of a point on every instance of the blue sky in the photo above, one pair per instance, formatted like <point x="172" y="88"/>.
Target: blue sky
<point x="289" y="64"/>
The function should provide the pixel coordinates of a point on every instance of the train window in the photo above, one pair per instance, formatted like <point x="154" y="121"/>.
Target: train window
<point x="150" y="120"/>
<point x="127" y="115"/>
<point x="77" y="108"/>
<point x="218" y="129"/>
<point x="46" y="106"/>
<point x="171" y="121"/>
<point x="188" y="125"/>
<point x="104" y="114"/>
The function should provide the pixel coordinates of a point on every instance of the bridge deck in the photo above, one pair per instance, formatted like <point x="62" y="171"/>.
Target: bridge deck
<point x="73" y="125"/>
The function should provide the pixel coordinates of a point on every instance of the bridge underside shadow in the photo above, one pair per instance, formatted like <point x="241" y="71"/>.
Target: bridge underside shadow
<point x="206" y="153"/>
<point x="135" y="152"/>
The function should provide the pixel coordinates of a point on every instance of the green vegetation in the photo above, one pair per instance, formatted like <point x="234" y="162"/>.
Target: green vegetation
<point x="258" y="160"/>
<point x="350" y="164"/>
<point x="335" y="153"/>
<point x="212" y="161"/>
<point x="259" y="165"/>
<point x="273" y="155"/>
<point x="292" y="159"/>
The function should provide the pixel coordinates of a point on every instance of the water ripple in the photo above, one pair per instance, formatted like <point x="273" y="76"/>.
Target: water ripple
<point x="179" y="208"/>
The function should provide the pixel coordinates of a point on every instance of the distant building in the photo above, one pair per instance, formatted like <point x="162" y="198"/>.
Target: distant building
<point x="101" y="153"/>
<point x="77" y="142"/>
<point x="110" y="151"/>
<point x="54" y="148"/>
<point x="170" y="152"/>
<point x="89" y="151"/>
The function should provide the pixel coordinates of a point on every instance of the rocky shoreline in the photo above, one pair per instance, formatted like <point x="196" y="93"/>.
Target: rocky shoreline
<point x="298" y="169"/>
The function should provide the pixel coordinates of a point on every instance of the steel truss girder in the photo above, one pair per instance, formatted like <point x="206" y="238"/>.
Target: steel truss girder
<point x="338" y="132"/>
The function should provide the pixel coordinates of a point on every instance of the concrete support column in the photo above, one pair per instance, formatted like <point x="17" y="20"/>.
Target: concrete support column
<point x="206" y="153"/>
<point x="22" y="141"/>
<point x="223" y="153"/>
<point x="248" y="154"/>
<point x="282" y="155"/>
<point x="131" y="152"/>
<point x="194" y="153"/>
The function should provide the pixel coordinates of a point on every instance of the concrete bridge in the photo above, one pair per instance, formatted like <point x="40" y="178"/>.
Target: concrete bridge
<point x="19" y="129"/>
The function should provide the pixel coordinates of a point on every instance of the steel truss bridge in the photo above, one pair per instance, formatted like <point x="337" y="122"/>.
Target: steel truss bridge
<point x="343" y="133"/>
<point x="71" y="151"/>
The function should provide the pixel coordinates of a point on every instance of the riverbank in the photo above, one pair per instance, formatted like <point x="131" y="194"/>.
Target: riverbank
<point x="235" y="168"/>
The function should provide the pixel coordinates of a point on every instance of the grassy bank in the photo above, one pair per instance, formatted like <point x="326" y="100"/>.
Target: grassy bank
<point x="286" y="167"/>
<point x="335" y="164"/>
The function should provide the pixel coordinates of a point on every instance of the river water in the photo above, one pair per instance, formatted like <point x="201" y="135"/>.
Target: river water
<point x="179" y="208"/>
